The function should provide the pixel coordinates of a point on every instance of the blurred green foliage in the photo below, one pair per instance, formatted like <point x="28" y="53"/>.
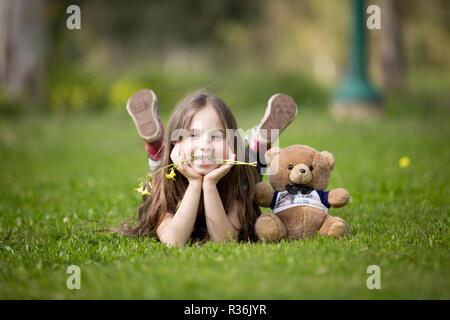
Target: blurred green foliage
<point x="242" y="50"/>
<point x="74" y="90"/>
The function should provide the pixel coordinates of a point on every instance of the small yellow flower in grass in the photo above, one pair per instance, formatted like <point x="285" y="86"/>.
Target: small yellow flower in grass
<point x="171" y="175"/>
<point x="403" y="162"/>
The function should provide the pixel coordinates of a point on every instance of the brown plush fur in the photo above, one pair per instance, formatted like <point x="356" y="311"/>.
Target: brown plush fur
<point x="291" y="165"/>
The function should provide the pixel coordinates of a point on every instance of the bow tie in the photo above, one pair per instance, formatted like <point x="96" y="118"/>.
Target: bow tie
<point x="294" y="189"/>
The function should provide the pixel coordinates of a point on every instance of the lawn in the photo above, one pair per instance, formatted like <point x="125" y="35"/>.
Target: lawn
<point x="60" y="171"/>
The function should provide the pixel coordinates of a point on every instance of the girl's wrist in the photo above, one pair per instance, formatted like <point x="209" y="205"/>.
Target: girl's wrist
<point x="209" y="184"/>
<point x="196" y="182"/>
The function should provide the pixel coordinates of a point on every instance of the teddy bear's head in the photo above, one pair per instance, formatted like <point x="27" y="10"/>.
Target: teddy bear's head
<point x="298" y="166"/>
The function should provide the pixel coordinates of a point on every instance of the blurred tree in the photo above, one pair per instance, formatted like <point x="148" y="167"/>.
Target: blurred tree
<point x="125" y="42"/>
<point x="22" y="46"/>
<point x="163" y="27"/>
<point x="392" y="56"/>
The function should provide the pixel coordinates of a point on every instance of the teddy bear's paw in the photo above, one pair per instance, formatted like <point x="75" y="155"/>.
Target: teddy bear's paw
<point x="338" y="229"/>
<point x="266" y="229"/>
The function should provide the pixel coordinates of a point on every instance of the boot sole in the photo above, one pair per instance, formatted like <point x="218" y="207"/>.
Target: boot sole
<point x="143" y="109"/>
<point x="281" y="110"/>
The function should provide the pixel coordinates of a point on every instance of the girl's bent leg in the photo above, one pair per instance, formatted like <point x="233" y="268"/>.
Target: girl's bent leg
<point x="143" y="109"/>
<point x="155" y="151"/>
<point x="281" y="110"/>
<point x="253" y="157"/>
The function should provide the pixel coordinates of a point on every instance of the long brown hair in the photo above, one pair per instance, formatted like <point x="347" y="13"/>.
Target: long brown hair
<point x="166" y="194"/>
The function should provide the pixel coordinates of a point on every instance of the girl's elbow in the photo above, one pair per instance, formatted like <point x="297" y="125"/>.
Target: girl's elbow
<point x="233" y="236"/>
<point x="228" y="237"/>
<point x="172" y="242"/>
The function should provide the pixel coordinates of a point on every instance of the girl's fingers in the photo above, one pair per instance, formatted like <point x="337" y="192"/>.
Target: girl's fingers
<point x="186" y="167"/>
<point x="230" y="153"/>
<point x="189" y="172"/>
<point x="231" y="157"/>
<point x="227" y="166"/>
<point x="185" y="158"/>
<point x="172" y="154"/>
<point x="182" y="156"/>
<point x="175" y="155"/>
<point x="178" y="152"/>
<point x="183" y="169"/>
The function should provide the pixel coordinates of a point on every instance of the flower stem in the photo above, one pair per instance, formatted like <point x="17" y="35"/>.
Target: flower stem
<point x="149" y="178"/>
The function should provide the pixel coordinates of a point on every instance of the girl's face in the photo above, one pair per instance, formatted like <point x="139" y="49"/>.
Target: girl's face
<point x="205" y="140"/>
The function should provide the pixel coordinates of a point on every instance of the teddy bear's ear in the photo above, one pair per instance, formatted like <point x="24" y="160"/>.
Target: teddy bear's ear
<point x="329" y="157"/>
<point x="271" y="153"/>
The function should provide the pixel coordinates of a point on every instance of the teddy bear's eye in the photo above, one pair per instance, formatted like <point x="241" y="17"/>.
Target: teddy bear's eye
<point x="290" y="167"/>
<point x="310" y="168"/>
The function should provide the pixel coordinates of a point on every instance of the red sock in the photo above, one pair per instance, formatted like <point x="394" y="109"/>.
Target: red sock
<point x="155" y="149"/>
<point x="254" y="145"/>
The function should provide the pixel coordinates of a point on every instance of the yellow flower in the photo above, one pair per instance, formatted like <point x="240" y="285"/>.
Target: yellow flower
<point x="171" y="175"/>
<point x="403" y="162"/>
<point x="143" y="190"/>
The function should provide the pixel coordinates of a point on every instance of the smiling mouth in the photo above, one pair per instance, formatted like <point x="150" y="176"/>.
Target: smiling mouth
<point x="204" y="161"/>
<point x="204" y="158"/>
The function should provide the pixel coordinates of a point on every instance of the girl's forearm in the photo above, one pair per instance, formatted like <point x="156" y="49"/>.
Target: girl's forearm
<point x="180" y="227"/>
<point x="217" y="222"/>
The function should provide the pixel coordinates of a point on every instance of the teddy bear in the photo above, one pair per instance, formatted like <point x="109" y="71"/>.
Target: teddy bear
<point x="298" y="175"/>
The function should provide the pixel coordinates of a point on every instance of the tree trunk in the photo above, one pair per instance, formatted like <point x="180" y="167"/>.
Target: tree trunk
<point x="391" y="45"/>
<point x="22" y="44"/>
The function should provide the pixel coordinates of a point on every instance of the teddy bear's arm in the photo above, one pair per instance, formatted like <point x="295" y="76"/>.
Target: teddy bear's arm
<point x="264" y="194"/>
<point x="338" y="198"/>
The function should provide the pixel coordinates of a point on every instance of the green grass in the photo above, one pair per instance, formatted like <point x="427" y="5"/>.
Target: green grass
<point x="85" y="166"/>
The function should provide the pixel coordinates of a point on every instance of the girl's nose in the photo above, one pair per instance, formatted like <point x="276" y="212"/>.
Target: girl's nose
<point x="204" y="142"/>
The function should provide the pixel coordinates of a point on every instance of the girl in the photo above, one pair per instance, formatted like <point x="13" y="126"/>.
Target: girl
<point x="207" y="200"/>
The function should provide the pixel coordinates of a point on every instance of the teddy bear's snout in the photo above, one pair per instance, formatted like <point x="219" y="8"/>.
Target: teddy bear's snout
<point x="300" y="174"/>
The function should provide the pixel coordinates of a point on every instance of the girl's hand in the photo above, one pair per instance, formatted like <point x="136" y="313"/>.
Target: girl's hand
<point x="215" y="175"/>
<point x="177" y="155"/>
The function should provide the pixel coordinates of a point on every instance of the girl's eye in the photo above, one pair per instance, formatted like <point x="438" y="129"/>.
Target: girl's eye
<point x="290" y="167"/>
<point x="216" y="137"/>
<point x="310" y="168"/>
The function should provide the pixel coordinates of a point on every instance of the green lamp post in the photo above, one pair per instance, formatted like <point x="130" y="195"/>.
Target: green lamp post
<point x="356" y="97"/>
